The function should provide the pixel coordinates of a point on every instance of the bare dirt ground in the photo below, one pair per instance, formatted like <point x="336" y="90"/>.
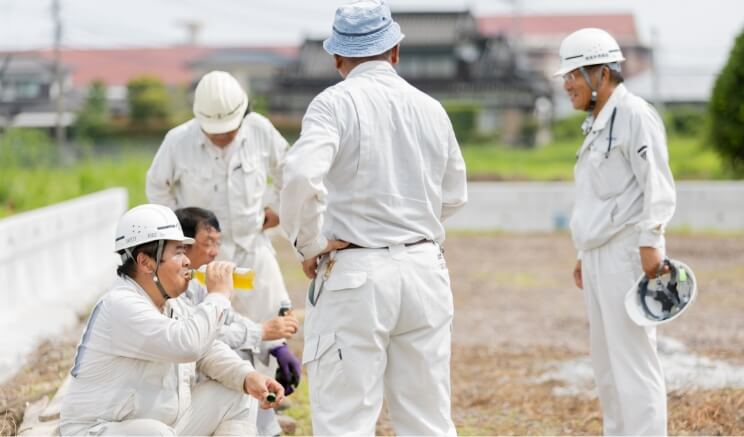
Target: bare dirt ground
<point x="516" y="310"/>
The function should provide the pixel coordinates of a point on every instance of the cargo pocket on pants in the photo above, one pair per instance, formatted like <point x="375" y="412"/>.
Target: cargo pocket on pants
<point x="322" y="358"/>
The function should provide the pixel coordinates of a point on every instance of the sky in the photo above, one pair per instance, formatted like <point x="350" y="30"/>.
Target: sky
<point x="690" y="33"/>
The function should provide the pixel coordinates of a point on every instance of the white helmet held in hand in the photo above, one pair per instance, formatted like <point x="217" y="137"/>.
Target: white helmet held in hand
<point x="145" y="223"/>
<point x="585" y="47"/>
<point x="219" y="102"/>
<point x="651" y="302"/>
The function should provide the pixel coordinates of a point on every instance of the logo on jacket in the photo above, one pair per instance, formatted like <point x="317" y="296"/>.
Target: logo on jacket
<point x="642" y="152"/>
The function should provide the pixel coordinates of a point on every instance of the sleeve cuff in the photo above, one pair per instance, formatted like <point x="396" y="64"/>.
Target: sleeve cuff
<point x="651" y="238"/>
<point x="313" y="249"/>
<point x="253" y="334"/>
<point x="218" y="300"/>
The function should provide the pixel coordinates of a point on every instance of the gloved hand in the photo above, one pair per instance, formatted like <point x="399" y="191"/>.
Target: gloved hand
<point x="288" y="373"/>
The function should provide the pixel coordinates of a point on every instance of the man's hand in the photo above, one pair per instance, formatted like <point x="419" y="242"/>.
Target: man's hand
<point x="651" y="259"/>
<point x="271" y="218"/>
<point x="220" y="278"/>
<point x="290" y="369"/>
<point x="280" y="327"/>
<point x="310" y="266"/>
<point x="259" y="387"/>
<point x="577" y="275"/>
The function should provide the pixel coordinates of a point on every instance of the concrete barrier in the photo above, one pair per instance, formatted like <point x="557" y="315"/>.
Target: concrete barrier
<point x="546" y="206"/>
<point x="54" y="262"/>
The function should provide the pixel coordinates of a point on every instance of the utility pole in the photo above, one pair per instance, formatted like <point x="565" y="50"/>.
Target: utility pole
<point x="59" y="131"/>
<point x="655" y="82"/>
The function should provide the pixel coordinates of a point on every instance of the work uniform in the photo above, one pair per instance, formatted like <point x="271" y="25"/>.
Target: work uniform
<point x="135" y="366"/>
<point x="377" y="165"/>
<point x="189" y="170"/>
<point x="625" y="197"/>
<point x="232" y="182"/>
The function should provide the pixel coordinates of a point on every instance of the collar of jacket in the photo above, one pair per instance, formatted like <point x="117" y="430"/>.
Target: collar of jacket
<point x="369" y="66"/>
<point x="604" y="115"/>
<point x="204" y="140"/>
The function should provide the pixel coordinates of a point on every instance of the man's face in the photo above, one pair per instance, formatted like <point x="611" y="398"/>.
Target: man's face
<point x="206" y="246"/>
<point x="223" y="139"/>
<point x="175" y="267"/>
<point x="578" y="89"/>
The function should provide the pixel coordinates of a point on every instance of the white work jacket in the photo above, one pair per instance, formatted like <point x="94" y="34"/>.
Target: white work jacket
<point x="624" y="180"/>
<point x="189" y="171"/>
<point x="238" y="332"/>
<point x="377" y="164"/>
<point x="134" y="361"/>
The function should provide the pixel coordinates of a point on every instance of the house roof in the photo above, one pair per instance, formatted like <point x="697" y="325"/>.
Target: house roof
<point x="118" y="66"/>
<point x="622" y="25"/>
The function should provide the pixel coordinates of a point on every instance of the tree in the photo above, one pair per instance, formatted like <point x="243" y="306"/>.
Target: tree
<point x="93" y="121"/>
<point x="148" y="100"/>
<point x="727" y="109"/>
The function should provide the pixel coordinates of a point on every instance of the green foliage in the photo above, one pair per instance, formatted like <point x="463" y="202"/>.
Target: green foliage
<point x="464" y="116"/>
<point x="94" y="120"/>
<point x="20" y="147"/>
<point x="148" y="100"/>
<point x="685" y="121"/>
<point x="688" y="159"/>
<point x="569" y="128"/>
<point x="26" y="187"/>
<point x="727" y="109"/>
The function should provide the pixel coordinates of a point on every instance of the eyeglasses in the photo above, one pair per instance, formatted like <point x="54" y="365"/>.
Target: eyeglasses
<point x="570" y="76"/>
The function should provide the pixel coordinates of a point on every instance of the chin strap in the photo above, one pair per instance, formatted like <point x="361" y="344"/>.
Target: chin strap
<point x="155" y="277"/>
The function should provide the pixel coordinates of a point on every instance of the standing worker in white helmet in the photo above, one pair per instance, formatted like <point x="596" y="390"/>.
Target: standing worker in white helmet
<point x="221" y="161"/>
<point x="135" y="366"/>
<point x="625" y="197"/>
<point x="376" y="170"/>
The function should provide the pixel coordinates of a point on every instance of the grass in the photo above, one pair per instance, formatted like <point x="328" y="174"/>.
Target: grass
<point x="689" y="159"/>
<point x="23" y="189"/>
<point x="27" y="186"/>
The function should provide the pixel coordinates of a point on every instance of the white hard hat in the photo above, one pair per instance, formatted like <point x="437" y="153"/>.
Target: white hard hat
<point x="588" y="46"/>
<point x="651" y="302"/>
<point x="219" y="102"/>
<point x="145" y="223"/>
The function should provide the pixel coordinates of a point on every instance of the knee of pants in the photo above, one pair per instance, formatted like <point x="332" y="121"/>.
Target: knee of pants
<point x="134" y="427"/>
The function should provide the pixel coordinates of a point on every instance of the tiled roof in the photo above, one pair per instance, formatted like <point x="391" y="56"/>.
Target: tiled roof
<point x="621" y="26"/>
<point x="118" y="66"/>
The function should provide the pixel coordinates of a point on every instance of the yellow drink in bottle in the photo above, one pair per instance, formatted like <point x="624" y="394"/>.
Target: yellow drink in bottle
<point x="242" y="278"/>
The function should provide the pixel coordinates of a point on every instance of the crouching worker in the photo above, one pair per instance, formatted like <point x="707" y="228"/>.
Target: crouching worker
<point x="250" y="339"/>
<point x="135" y="365"/>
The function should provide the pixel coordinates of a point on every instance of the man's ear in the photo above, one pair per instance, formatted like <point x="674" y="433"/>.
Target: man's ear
<point x="145" y="263"/>
<point x="395" y="55"/>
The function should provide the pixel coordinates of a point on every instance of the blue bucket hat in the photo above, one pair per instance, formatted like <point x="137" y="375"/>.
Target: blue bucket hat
<point x="364" y="28"/>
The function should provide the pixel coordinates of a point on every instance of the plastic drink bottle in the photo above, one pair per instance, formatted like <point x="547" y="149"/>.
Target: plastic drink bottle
<point x="285" y="307"/>
<point x="242" y="277"/>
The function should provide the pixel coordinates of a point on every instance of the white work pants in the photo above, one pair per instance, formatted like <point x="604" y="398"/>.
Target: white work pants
<point x="381" y="327"/>
<point x="629" y="377"/>
<point x="214" y="410"/>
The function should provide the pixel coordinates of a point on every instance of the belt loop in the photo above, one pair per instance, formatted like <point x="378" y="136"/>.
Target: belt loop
<point x="397" y="251"/>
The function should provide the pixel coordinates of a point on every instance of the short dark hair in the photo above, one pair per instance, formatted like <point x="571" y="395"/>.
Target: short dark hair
<point x="128" y="267"/>
<point x="193" y="218"/>
<point x="381" y="57"/>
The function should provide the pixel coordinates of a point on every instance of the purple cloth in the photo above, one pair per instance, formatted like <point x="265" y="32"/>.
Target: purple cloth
<point x="288" y="373"/>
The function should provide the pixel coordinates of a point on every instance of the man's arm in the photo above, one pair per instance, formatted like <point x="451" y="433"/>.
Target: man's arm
<point x="160" y="179"/>
<point x="454" y="185"/>
<point x="649" y="160"/>
<point x="303" y="195"/>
